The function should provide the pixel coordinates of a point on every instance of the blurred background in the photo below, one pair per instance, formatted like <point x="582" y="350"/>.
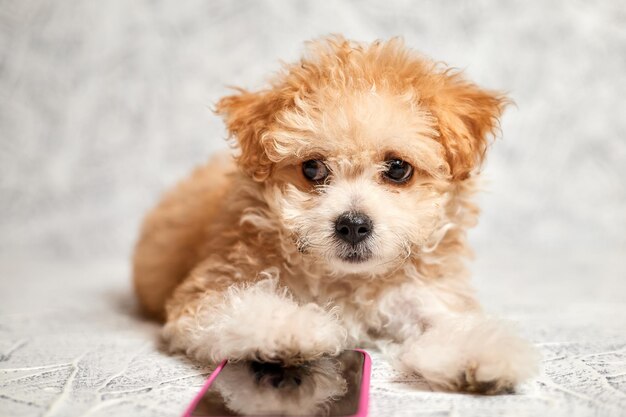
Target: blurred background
<point x="104" y="104"/>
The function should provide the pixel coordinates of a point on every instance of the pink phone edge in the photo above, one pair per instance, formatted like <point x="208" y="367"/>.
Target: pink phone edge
<point x="204" y="389"/>
<point x="365" y="385"/>
<point x="363" y="395"/>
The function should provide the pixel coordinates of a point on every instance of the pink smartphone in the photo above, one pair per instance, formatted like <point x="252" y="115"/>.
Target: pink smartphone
<point x="337" y="386"/>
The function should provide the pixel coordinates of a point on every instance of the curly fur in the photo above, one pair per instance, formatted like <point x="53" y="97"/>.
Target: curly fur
<point x="241" y="259"/>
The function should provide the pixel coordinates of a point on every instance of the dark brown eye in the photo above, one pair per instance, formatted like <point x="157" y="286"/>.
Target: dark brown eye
<point x="314" y="170"/>
<point x="398" y="171"/>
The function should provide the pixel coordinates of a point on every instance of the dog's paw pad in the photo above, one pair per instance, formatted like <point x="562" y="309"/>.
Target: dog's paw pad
<point x="470" y="382"/>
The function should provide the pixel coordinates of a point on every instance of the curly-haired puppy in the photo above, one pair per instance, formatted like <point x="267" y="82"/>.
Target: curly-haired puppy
<point x="340" y="223"/>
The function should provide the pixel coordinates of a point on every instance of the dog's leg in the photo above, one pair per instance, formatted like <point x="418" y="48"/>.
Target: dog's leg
<point x="255" y="320"/>
<point x="472" y="353"/>
<point x="456" y="347"/>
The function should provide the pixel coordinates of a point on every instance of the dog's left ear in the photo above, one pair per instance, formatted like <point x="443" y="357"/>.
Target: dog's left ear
<point x="466" y="117"/>
<point x="248" y="116"/>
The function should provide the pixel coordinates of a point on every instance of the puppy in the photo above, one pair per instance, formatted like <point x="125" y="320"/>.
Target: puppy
<point x="341" y="222"/>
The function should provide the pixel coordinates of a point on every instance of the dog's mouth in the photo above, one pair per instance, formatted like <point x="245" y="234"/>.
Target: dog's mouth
<point x="352" y="254"/>
<point x="355" y="254"/>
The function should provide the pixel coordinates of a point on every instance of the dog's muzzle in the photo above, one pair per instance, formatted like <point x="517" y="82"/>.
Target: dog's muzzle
<point x="353" y="229"/>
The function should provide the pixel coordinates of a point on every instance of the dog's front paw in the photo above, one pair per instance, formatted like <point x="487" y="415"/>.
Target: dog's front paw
<point x="260" y="322"/>
<point x="475" y="355"/>
<point x="264" y="323"/>
<point x="471" y="380"/>
<point x="292" y="334"/>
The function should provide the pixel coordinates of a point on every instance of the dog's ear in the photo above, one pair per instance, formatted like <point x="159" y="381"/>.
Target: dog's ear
<point x="466" y="116"/>
<point x="248" y="116"/>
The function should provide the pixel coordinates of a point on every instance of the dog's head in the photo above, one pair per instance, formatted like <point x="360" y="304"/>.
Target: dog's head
<point x="360" y="148"/>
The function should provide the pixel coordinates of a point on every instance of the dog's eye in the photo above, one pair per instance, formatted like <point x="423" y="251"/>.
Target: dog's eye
<point x="314" y="170"/>
<point x="398" y="171"/>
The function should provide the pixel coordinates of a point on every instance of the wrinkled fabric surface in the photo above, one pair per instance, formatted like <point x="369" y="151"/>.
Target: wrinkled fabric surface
<point x="71" y="344"/>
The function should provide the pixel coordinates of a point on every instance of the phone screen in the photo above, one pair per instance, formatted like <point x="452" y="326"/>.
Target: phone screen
<point x="325" y="387"/>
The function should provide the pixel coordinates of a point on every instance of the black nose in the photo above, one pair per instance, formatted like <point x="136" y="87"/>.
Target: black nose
<point x="353" y="227"/>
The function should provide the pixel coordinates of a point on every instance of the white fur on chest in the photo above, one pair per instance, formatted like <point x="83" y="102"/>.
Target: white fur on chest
<point x="373" y="309"/>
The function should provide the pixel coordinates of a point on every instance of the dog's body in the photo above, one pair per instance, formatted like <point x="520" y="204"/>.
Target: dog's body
<point x="341" y="224"/>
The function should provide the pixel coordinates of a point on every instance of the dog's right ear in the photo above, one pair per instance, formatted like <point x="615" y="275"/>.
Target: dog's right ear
<point x="248" y="116"/>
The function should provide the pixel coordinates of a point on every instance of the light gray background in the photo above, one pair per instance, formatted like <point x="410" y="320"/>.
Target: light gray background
<point x="104" y="104"/>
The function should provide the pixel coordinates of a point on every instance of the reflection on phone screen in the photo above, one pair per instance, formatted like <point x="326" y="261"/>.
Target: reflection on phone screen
<point x="325" y="387"/>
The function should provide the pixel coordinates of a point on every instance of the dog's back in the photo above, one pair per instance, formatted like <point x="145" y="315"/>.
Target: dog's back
<point x="172" y="233"/>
